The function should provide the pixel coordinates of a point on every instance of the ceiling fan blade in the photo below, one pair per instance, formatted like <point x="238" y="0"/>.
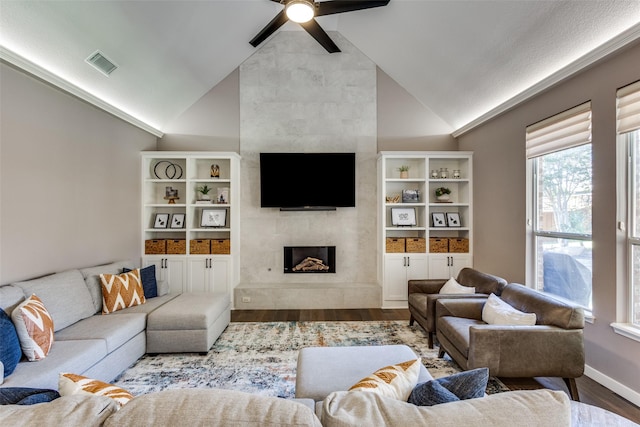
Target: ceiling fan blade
<point x="312" y="27"/>
<point x="277" y="22"/>
<point x="339" y="6"/>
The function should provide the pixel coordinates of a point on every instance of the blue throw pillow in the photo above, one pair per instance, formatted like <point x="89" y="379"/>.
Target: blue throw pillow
<point x="148" y="278"/>
<point x="10" y="350"/>
<point x="26" y="396"/>
<point x="461" y="386"/>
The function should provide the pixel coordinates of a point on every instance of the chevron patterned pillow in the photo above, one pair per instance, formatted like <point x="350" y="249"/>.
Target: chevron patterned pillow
<point x="34" y="326"/>
<point x="69" y="384"/>
<point x="121" y="291"/>
<point x="395" y="381"/>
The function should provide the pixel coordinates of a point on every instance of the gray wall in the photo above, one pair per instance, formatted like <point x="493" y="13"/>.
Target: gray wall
<point x="499" y="211"/>
<point x="70" y="181"/>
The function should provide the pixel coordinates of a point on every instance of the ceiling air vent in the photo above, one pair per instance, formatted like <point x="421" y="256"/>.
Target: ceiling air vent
<point x="101" y="63"/>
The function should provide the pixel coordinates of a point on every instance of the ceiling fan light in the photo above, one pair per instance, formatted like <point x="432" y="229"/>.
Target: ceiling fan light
<point x="300" y="11"/>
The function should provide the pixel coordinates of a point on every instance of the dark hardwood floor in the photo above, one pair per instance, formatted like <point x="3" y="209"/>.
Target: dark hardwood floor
<point x="590" y="391"/>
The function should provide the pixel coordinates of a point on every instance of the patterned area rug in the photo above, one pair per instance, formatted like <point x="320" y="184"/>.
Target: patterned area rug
<point x="261" y="358"/>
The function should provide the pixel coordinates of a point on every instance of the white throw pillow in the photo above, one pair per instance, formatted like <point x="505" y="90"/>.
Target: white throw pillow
<point x="453" y="287"/>
<point x="498" y="312"/>
<point x="395" y="381"/>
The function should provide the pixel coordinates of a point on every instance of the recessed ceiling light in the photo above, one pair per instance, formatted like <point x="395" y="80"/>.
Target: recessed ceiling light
<point x="101" y="63"/>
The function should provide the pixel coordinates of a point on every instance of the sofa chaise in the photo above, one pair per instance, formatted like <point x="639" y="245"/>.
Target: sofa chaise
<point x="99" y="346"/>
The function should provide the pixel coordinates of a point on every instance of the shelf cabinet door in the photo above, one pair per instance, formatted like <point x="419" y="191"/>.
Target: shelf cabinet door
<point x="444" y="266"/>
<point x="399" y="268"/>
<point x="395" y="278"/>
<point x="200" y="274"/>
<point x="172" y="270"/>
<point x="221" y="275"/>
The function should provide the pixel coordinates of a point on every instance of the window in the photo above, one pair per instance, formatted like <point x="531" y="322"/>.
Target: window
<point x="559" y="152"/>
<point x="628" y="124"/>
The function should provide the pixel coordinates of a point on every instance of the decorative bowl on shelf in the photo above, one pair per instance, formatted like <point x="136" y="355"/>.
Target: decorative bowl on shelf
<point x="393" y="199"/>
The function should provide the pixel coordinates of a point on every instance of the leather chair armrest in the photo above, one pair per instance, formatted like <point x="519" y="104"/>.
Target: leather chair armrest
<point x="469" y="308"/>
<point x="527" y="351"/>
<point x="426" y="286"/>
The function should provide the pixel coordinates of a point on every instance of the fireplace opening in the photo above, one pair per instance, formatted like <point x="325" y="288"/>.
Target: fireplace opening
<point x="309" y="259"/>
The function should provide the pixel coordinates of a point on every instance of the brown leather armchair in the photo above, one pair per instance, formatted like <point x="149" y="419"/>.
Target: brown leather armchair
<point x="423" y="295"/>
<point x="553" y="347"/>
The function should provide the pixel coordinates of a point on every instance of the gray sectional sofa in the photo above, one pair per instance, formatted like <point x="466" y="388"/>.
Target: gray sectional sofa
<point x="103" y="346"/>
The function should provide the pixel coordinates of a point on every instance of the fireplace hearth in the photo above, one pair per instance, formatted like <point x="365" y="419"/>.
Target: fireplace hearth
<point x="309" y="259"/>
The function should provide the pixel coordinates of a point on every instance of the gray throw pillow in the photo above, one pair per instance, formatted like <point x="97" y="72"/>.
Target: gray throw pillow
<point x="461" y="386"/>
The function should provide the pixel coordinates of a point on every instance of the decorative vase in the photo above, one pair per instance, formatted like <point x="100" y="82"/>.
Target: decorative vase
<point x="434" y="174"/>
<point x="444" y="173"/>
<point x="204" y="197"/>
<point x="404" y="174"/>
<point x="443" y="198"/>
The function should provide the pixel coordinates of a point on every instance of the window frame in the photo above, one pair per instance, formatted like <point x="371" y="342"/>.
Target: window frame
<point x="536" y="232"/>
<point x="626" y="226"/>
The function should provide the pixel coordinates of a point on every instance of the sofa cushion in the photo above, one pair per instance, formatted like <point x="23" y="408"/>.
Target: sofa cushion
<point x="549" y="311"/>
<point x="10" y="350"/>
<point x="34" y="327"/>
<point x="148" y="278"/>
<point x="64" y="294"/>
<point x="191" y="311"/>
<point x="149" y="306"/>
<point x="10" y="297"/>
<point x="65" y="356"/>
<point x="453" y="287"/>
<point x="193" y="407"/>
<point x="461" y="386"/>
<point x="121" y="291"/>
<point x="70" y="384"/>
<point x="456" y="329"/>
<point x="394" y="381"/>
<point x="26" y="396"/>
<point x="483" y="282"/>
<point x="64" y="411"/>
<point x="92" y="279"/>
<point x="531" y="408"/>
<point x="498" y="312"/>
<point x="114" y="330"/>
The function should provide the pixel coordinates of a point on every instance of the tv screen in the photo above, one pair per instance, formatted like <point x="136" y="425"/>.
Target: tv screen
<point x="307" y="180"/>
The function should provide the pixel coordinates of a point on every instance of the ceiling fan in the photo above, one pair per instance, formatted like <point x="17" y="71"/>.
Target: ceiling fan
<point x="304" y="12"/>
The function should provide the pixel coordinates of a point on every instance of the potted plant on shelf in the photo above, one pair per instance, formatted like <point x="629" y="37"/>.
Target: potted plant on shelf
<point x="404" y="171"/>
<point x="442" y="194"/>
<point x="204" y="192"/>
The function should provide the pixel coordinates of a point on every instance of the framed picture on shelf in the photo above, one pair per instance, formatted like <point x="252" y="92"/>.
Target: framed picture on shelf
<point x="177" y="220"/>
<point x="410" y="196"/>
<point x="403" y="217"/>
<point x="438" y="219"/>
<point x="161" y="220"/>
<point x="213" y="218"/>
<point x="453" y="219"/>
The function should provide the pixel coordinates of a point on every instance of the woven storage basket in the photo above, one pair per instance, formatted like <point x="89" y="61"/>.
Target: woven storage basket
<point x="416" y="244"/>
<point x="458" y="245"/>
<point x="177" y="246"/>
<point x="221" y="246"/>
<point x="200" y="246"/>
<point x="395" y="244"/>
<point x="155" y="247"/>
<point x="438" y="244"/>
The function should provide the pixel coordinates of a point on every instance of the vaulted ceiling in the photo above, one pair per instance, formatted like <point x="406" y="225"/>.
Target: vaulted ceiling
<point x="464" y="60"/>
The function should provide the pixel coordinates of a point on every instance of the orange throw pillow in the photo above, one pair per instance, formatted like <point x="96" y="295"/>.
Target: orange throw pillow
<point x="121" y="291"/>
<point x="35" y="328"/>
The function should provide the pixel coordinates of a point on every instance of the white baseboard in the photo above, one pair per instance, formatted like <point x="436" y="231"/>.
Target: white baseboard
<point x="613" y="385"/>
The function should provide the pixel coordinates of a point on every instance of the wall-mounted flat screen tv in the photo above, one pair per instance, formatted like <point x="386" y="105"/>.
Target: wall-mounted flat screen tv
<point x="307" y="181"/>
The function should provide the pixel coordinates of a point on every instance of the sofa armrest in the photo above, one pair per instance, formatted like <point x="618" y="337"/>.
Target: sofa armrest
<point x="469" y="308"/>
<point x="527" y="351"/>
<point x="426" y="286"/>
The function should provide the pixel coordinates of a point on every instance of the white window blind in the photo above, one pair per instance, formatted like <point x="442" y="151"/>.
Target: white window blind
<point x="565" y="130"/>
<point x="628" y="111"/>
